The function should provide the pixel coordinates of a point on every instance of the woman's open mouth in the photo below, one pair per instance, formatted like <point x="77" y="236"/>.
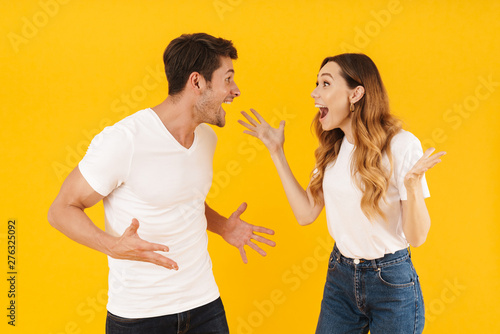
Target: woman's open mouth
<point x="323" y="111"/>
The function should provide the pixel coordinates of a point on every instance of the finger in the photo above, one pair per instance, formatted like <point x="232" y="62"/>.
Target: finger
<point x="259" y="117"/>
<point x="426" y="162"/>
<point x="240" y="209"/>
<point x="262" y="229"/>
<point x="251" y="133"/>
<point x="428" y="152"/>
<point x="246" y="125"/>
<point x="434" y="163"/>
<point x="243" y="255"/>
<point x="433" y="160"/>
<point x="418" y="172"/>
<point x="263" y="240"/>
<point x="433" y="157"/>
<point x="151" y="246"/>
<point x="249" y="118"/>
<point x="160" y="260"/>
<point x="132" y="229"/>
<point x="439" y="154"/>
<point x="256" y="248"/>
<point x="282" y="125"/>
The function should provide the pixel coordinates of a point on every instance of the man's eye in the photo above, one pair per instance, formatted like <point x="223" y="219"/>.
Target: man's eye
<point x="228" y="79"/>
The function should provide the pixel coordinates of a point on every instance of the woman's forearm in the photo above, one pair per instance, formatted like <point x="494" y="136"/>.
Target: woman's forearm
<point x="416" y="219"/>
<point x="302" y="203"/>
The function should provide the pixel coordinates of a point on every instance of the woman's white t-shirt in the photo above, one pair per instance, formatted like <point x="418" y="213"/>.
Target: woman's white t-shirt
<point x="145" y="173"/>
<point x="355" y="235"/>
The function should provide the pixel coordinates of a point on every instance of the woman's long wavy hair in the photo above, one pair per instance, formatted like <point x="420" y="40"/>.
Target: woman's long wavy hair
<point x="373" y="127"/>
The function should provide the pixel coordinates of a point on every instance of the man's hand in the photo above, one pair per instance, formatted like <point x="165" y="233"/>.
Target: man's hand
<point x="131" y="247"/>
<point x="239" y="233"/>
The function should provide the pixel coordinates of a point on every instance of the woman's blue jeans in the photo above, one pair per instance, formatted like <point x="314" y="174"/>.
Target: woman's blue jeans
<point x="381" y="295"/>
<point x="206" y="319"/>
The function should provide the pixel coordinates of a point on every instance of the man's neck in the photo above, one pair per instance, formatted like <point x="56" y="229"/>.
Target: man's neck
<point x="177" y="116"/>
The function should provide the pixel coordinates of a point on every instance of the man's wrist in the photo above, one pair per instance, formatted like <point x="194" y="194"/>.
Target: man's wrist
<point x="106" y="242"/>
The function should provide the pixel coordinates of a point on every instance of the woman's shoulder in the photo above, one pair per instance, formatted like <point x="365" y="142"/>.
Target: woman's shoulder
<point x="404" y="140"/>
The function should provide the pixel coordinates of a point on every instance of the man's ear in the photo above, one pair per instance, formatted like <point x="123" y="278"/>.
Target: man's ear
<point x="196" y="82"/>
<point x="357" y="94"/>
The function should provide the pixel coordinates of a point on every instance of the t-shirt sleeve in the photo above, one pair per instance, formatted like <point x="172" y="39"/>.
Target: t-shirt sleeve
<point x="406" y="154"/>
<point x="106" y="164"/>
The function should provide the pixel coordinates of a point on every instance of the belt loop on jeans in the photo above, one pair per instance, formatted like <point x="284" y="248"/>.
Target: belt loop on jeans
<point x="409" y="251"/>
<point x="338" y="255"/>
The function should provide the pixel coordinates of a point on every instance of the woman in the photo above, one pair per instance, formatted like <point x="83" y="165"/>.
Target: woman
<point x="369" y="176"/>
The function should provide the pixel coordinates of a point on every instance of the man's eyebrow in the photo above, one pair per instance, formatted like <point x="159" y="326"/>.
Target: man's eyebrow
<point x="230" y="70"/>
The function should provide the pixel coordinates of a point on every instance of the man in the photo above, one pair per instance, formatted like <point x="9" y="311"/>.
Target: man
<point x="153" y="171"/>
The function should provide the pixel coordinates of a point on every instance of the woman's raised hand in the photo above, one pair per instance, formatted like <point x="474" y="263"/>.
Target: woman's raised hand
<point x="428" y="160"/>
<point x="273" y="138"/>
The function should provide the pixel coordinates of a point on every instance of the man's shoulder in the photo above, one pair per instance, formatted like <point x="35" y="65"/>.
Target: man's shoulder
<point x="130" y="125"/>
<point x="122" y="132"/>
<point x="205" y="130"/>
<point x="132" y="121"/>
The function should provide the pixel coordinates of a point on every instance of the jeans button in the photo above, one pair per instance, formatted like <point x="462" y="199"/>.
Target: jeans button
<point x="356" y="261"/>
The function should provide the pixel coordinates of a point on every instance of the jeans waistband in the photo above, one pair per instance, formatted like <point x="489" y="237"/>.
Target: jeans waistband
<point x="386" y="260"/>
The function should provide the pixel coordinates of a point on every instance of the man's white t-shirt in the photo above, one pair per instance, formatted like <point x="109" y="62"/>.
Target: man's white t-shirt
<point x="355" y="235"/>
<point x="145" y="173"/>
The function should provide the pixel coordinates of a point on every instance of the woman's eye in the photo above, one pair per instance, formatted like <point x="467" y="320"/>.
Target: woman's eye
<point x="326" y="84"/>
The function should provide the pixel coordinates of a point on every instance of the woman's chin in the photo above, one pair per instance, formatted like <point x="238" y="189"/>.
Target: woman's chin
<point x="326" y="127"/>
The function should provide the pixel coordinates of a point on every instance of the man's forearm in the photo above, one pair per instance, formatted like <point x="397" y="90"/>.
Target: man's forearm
<point x="76" y="225"/>
<point x="215" y="222"/>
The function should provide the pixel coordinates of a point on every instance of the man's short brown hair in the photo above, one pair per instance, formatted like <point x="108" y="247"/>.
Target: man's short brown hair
<point x="190" y="53"/>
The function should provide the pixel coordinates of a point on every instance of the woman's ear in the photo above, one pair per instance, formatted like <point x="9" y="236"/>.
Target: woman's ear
<point x="357" y="94"/>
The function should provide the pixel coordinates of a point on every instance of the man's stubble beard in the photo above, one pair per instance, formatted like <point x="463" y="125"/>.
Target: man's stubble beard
<point x="208" y="111"/>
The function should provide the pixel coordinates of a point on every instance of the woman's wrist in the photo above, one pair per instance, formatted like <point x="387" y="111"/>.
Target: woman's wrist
<point x="414" y="189"/>
<point x="278" y="154"/>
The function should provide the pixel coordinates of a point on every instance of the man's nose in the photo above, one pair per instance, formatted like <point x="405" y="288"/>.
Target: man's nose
<point x="235" y="91"/>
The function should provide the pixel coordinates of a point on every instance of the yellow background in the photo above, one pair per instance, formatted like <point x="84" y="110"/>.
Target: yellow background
<point x="69" y="68"/>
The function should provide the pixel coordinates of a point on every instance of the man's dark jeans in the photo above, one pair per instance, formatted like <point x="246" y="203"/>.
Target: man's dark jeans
<point x="206" y="319"/>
